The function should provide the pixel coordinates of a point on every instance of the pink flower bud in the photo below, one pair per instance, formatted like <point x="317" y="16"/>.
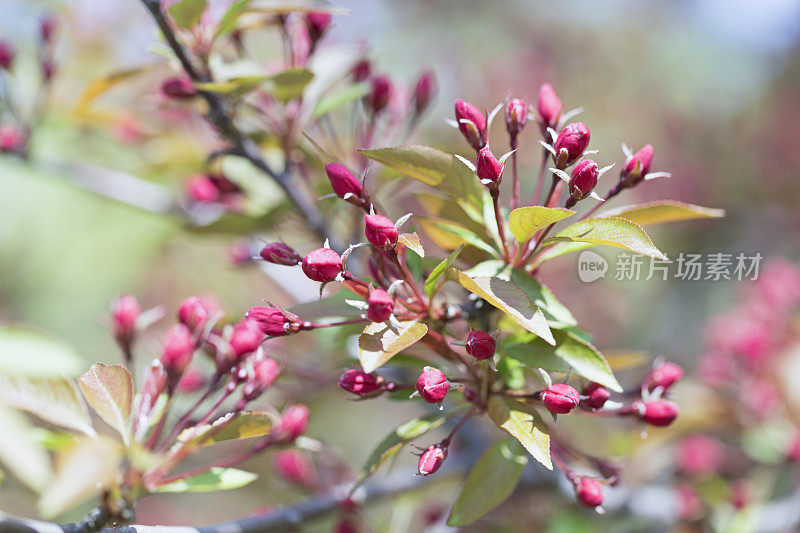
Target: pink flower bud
<point x="360" y="383"/>
<point x="700" y="454"/>
<point x="246" y="338"/>
<point x="155" y="382"/>
<point x="7" y="55"/>
<point x="489" y="169"/>
<point x="346" y="524"/>
<point x="48" y="70"/>
<point x="293" y="466"/>
<point x="279" y="253"/>
<point x="472" y="123"/>
<point x="293" y="423"/>
<point x="664" y="376"/>
<point x="178" y="87"/>
<point x="690" y="505"/>
<point x="583" y="179"/>
<point x="432" y="385"/>
<point x="380" y="94"/>
<point x="342" y="180"/>
<point x="574" y="138"/>
<point x="381" y="305"/>
<point x="424" y="91"/>
<point x="11" y="139"/>
<point x="596" y="396"/>
<point x="239" y="253"/>
<point x="643" y="159"/>
<point x="362" y="70"/>
<point x="549" y="106"/>
<point x="124" y="313"/>
<point x="47" y="27"/>
<point x="322" y="265"/>
<point x="480" y="345"/>
<point x="431" y="459"/>
<point x="516" y="116"/>
<point x="191" y="381"/>
<point x="657" y="412"/>
<point x="200" y="188"/>
<point x="380" y="231"/>
<point x="740" y="493"/>
<point x="177" y="352"/>
<point x="265" y="372"/>
<point x="589" y="492"/>
<point x="224" y="184"/>
<point x="560" y="398"/>
<point x="270" y="320"/>
<point x="317" y="23"/>
<point x="193" y="313"/>
<point x="793" y="453"/>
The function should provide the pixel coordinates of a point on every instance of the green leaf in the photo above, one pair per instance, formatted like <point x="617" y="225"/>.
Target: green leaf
<point x="101" y="85"/>
<point x="228" y="22"/>
<point x="187" y="13"/>
<point x="20" y="451"/>
<point x="236" y="86"/>
<point x="523" y="222"/>
<point x="573" y="351"/>
<point x="557" y="250"/>
<point x="509" y="298"/>
<point x="511" y="371"/>
<point x="215" y="479"/>
<point x="430" y="166"/>
<point x="662" y="211"/>
<point x="522" y="422"/>
<point x="379" y="342"/>
<point x="83" y="470"/>
<point x="26" y="352"/>
<point x="557" y="315"/>
<point x="290" y="83"/>
<point x="614" y="231"/>
<point x="490" y="482"/>
<point x="439" y="270"/>
<point x="232" y="426"/>
<point x="109" y="390"/>
<point x="57" y="401"/>
<point x="333" y="101"/>
<point x="535" y="353"/>
<point x="449" y="235"/>
<point x="397" y="440"/>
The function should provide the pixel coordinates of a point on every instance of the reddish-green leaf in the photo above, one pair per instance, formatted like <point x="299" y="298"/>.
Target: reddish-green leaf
<point x="109" y="390"/>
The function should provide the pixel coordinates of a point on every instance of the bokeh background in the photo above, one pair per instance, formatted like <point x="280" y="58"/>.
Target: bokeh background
<point x="712" y="84"/>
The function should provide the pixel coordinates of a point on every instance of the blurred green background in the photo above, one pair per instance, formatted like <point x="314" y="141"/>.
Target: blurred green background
<point x="712" y="84"/>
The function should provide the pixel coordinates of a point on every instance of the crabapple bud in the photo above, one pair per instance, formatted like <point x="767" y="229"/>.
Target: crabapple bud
<point x="361" y="70"/>
<point x="637" y="166"/>
<point x="480" y="345"/>
<point x="11" y="139"/>
<point x="583" y="179"/>
<point x="191" y="381"/>
<point x="265" y="372"/>
<point x="200" y="188"/>
<point x="380" y="231"/>
<point x="279" y="253"/>
<point x="424" y="91"/>
<point x="657" y="412"/>
<point x="193" y="313"/>
<point x="317" y="23"/>
<point x="47" y="27"/>
<point x="177" y="352"/>
<point x="360" y="383"/>
<point x="489" y="168"/>
<point x="574" y="138"/>
<point x="381" y="305"/>
<point x="342" y="180"/>
<point x="560" y="398"/>
<point x="664" y="376"/>
<point x="431" y="459"/>
<point x="7" y="55"/>
<point x="124" y="313"/>
<point x="472" y="123"/>
<point x="700" y="454"/>
<point x="589" y="492"/>
<point x="322" y="265"/>
<point x="548" y="106"/>
<point x="178" y="87"/>
<point x="380" y="93"/>
<point x="516" y="116"/>
<point x="293" y="466"/>
<point x="271" y="320"/>
<point x="48" y="69"/>
<point x="239" y="253"/>
<point x="596" y="396"/>
<point x="246" y="338"/>
<point x="293" y="422"/>
<point x="432" y="385"/>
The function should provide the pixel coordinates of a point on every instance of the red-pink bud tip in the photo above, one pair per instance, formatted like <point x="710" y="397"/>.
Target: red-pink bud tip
<point x="489" y="168"/>
<point x="12" y="139"/>
<point x="193" y="313"/>
<point x="664" y="376"/>
<point x="200" y="188"/>
<point x="657" y="412"/>
<point x="380" y="231"/>
<point x="360" y="383"/>
<point x="362" y="70"/>
<point x="424" y="91"/>
<point x="432" y="385"/>
<point x="124" y="312"/>
<point x="317" y="23"/>
<point x="293" y="466"/>
<point x="472" y="123"/>
<point x="380" y="93"/>
<point x="589" y="492"/>
<point x="7" y="54"/>
<point x="560" y="398"/>
<point x="293" y="423"/>
<point x="480" y="345"/>
<point x="548" y="106"/>
<point x="47" y="27"/>
<point x="638" y="165"/>
<point x="279" y="253"/>
<point x="583" y="179"/>
<point x="177" y="351"/>
<point x="431" y="459"/>
<point x="516" y="116"/>
<point x="322" y="265"/>
<point x="265" y="372"/>
<point x="381" y="305"/>
<point x="270" y="320"/>
<point x="246" y="338"/>
<point x="574" y="138"/>
<point x="178" y="87"/>
<point x="596" y="396"/>
<point x="342" y="180"/>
